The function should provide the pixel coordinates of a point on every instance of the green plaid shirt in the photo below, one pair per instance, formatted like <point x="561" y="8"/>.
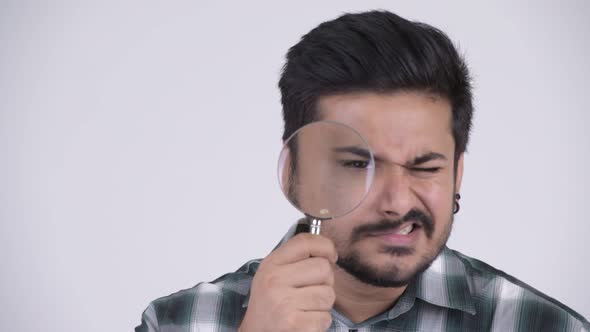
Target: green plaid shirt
<point x="456" y="293"/>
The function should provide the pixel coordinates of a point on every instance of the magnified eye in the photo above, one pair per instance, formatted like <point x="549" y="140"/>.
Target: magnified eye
<point x="361" y="164"/>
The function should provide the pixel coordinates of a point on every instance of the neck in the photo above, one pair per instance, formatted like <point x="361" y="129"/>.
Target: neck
<point x="359" y="301"/>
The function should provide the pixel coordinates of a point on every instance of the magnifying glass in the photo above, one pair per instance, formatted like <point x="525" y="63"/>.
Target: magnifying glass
<point x="325" y="170"/>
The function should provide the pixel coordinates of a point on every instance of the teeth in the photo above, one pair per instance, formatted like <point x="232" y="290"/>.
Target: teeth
<point x="406" y="230"/>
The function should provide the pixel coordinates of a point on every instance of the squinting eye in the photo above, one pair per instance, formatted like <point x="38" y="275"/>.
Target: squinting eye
<point x="355" y="163"/>
<point x="427" y="170"/>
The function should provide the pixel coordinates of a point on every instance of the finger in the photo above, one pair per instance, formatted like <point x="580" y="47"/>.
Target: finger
<point x="303" y="246"/>
<point x="319" y="321"/>
<point x="308" y="272"/>
<point x="314" y="298"/>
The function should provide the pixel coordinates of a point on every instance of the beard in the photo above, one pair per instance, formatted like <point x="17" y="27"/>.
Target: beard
<point x="392" y="275"/>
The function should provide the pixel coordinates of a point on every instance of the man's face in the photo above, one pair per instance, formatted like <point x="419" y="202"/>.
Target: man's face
<point x="413" y="186"/>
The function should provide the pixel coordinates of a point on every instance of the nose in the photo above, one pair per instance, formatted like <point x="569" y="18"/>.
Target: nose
<point x="393" y="190"/>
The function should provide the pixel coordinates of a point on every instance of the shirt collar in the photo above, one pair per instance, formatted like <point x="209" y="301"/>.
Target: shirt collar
<point x="444" y="283"/>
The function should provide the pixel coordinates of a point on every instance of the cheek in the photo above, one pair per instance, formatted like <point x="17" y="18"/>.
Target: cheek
<point x="338" y="230"/>
<point x="435" y="195"/>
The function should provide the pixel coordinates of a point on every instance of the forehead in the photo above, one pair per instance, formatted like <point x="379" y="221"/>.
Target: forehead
<point x="397" y="126"/>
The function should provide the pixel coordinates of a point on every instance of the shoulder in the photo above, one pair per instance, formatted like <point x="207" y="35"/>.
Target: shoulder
<point x="515" y="304"/>
<point x="219" y="302"/>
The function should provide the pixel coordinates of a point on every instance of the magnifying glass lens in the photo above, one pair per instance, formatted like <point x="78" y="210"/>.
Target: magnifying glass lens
<point x="325" y="169"/>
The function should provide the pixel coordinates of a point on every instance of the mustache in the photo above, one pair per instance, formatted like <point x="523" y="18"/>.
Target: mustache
<point x="416" y="216"/>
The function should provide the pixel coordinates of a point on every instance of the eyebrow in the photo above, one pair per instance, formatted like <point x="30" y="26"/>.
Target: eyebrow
<point x="427" y="157"/>
<point x="354" y="150"/>
<point x="422" y="159"/>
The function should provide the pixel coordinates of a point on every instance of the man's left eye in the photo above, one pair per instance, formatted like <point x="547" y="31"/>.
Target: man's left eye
<point x="427" y="169"/>
<point x="355" y="163"/>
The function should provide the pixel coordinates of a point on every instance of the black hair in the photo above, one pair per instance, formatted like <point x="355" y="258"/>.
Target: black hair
<point x="375" y="51"/>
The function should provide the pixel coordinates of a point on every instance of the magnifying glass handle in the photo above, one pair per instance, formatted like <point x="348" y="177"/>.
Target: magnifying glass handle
<point x="315" y="226"/>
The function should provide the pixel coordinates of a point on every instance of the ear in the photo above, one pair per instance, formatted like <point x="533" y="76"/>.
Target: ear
<point x="459" y="176"/>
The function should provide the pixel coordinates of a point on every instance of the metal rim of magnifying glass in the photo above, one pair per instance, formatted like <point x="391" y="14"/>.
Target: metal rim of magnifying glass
<point x="372" y="162"/>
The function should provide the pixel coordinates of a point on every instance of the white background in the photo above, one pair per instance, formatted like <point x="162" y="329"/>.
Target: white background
<point x="138" y="144"/>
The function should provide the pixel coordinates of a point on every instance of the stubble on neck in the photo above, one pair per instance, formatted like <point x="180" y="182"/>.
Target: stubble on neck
<point x="359" y="301"/>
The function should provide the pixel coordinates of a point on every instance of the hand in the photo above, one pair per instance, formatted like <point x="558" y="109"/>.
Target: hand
<point x="293" y="287"/>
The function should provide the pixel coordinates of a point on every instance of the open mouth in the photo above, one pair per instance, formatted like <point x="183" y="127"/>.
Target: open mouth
<point x="403" y="230"/>
<point x="406" y="230"/>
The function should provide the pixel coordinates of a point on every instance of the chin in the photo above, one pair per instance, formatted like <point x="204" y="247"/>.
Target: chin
<point x="393" y="266"/>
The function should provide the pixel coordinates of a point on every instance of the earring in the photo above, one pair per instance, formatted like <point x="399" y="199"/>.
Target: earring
<point x="457" y="206"/>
